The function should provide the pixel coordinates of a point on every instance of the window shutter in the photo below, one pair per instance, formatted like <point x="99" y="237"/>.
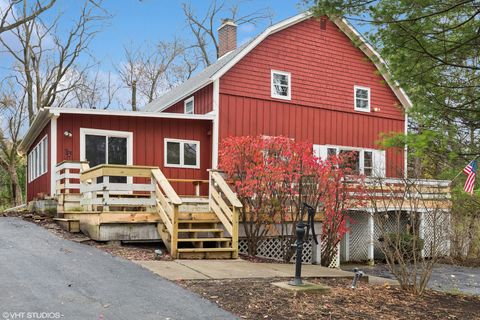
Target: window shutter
<point x="379" y="163"/>
<point x="320" y="151"/>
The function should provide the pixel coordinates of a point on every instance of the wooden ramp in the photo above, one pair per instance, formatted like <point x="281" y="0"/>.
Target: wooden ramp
<point x="147" y="208"/>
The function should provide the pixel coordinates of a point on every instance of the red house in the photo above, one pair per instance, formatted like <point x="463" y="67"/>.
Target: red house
<point x="307" y="78"/>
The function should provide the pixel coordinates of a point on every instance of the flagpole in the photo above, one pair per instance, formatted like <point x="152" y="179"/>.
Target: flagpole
<point x="462" y="169"/>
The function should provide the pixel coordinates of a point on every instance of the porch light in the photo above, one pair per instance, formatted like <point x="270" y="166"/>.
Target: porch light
<point x="67" y="133"/>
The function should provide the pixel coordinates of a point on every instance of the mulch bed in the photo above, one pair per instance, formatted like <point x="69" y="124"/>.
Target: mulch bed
<point x="258" y="299"/>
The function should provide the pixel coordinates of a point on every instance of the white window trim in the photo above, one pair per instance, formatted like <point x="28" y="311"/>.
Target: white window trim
<point x="107" y="133"/>
<point x="375" y="152"/>
<point x="191" y="99"/>
<point x="181" y="165"/>
<point x="41" y="161"/>
<point x="272" y="87"/>
<point x="355" y="98"/>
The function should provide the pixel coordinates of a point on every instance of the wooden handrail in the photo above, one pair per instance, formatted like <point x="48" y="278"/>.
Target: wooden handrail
<point x="217" y="178"/>
<point x="166" y="186"/>
<point x="227" y="213"/>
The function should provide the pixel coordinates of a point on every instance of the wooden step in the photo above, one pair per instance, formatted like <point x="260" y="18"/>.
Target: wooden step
<point x="201" y="215"/>
<point x="199" y="221"/>
<point x="70" y="225"/>
<point x="200" y="230"/>
<point x="206" y="253"/>
<point x="205" y="249"/>
<point x="204" y="239"/>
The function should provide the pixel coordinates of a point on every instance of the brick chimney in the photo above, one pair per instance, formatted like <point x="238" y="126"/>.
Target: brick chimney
<point x="227" y="37"/>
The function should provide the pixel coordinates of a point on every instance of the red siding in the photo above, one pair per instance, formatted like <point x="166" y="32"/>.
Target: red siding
<point x="324" y="67"/>
<point x="148" y="141"/>
<point x="41" y="185"/>
<point x="203" y="102"/>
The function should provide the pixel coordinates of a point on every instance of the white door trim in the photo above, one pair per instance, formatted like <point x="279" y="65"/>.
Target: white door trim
<point x="107" y="133"/>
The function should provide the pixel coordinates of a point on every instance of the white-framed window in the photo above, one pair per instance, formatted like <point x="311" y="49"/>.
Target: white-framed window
<point x="37" y="160"/>
<point x="281" y="85"/>
<point x="189" y="106"/>
<point x="362" y="98"/>
<point x="370" y="162"/>
<point x="182" y="153"/>
<point x="107" y="147"/>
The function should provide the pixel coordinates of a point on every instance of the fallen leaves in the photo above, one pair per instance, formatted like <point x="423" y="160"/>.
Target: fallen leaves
<point x="258" y="299"/>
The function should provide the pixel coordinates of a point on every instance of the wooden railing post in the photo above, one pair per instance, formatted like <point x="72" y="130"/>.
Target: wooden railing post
<point x="235" y="231"/>
<point x="174" y="235"/>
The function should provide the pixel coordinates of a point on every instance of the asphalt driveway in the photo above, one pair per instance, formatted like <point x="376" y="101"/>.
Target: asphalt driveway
<point x="449" y="278"/>
<point x="52" y="278"/>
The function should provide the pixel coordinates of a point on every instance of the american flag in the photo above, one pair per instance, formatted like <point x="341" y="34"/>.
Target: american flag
<point x="471" y="172"/>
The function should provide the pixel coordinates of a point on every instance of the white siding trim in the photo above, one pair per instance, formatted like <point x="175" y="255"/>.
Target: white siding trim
<point x="216" y="122"/>
<point x="405" y="157"/>
<point x="53" y="155"/>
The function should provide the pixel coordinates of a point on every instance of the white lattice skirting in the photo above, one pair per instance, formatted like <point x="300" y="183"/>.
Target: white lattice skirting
<point x="272" y="248"/>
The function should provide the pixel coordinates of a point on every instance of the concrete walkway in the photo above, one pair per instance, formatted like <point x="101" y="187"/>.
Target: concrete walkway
<point x="241" y="269"/>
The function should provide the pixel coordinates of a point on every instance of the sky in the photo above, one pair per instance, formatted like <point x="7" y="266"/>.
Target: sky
<point x="148" y="21"/>
<point x="142" y="23"/>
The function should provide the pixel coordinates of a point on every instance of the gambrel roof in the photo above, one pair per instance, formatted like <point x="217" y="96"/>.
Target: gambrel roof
<point x="225" y="63"/>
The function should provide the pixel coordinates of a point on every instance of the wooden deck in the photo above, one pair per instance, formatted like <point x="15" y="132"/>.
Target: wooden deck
<point x="148" y="208"/>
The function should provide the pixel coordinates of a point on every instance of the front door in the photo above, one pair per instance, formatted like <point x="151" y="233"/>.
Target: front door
<point x="106" y="147"/>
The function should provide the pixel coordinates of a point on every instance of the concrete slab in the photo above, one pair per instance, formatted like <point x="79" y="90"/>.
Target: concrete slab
<point x="172" y="270"/>
<point x="306" y="287"/>
<point x="238" y="269"/>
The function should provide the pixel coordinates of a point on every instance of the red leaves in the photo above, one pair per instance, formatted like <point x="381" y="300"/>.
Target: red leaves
<point x="274" y="175"/>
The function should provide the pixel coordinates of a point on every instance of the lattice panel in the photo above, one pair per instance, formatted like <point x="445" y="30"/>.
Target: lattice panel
<point x="336" y="260"/>
<point x="437" y="231"/>
<point x="391" y="225"/>
<point x="272" y="248"/>
<point x="359" y="236"/>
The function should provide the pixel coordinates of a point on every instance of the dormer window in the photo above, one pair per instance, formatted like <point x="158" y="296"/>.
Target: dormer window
<point x="362" y="99"/>
<point x="189" y="106"/>
<point x="281" y="85"/>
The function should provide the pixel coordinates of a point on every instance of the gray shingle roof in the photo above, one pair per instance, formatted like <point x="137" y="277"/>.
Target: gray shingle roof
<point x="194" y="83"/>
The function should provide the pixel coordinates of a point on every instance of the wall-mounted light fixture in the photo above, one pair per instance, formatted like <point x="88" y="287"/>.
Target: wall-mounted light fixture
<point x="68" y="134"/>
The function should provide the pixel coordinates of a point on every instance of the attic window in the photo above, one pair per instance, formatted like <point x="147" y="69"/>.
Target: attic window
<point x="189" y="106"/>
<point x="281" y="85"/>
<point x="362" y="99"/>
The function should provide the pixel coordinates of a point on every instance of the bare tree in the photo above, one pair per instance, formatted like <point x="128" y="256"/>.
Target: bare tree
<point x="413" y="221"/>
<point x="46" y="65"/>
<point x="30" y="12"/>
<point x="151" y="71"/>
<point x="12" y="114"/>
<point x="203" y="27"/>
<point x="94" y="91"/>
<point x="130" y="72"/>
